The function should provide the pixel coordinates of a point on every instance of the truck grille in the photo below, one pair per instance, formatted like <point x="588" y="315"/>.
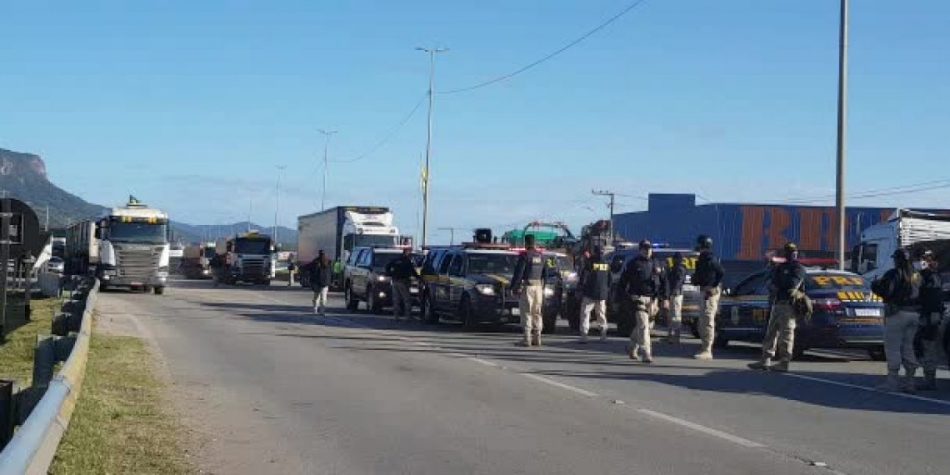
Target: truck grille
<point x="137" y="261"/>
<point x="252" y="266"/>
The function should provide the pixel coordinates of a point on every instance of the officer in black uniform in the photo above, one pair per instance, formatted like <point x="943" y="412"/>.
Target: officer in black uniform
<point x="531" y="272"/>
<point x="401" y="271"/>
<point x="787" y="281"/>
<point x="641" y="283"/>
<point x="927" y="341"/>
<point x="595" y="284"/>
<point x="675" y="279"/>
<point x="708" y="277"/>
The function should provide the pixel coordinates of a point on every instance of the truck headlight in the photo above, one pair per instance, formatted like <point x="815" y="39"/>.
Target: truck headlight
<point x="548" y="291"/>
<point x="485" y="289"/>
<point x="381" y="278"/>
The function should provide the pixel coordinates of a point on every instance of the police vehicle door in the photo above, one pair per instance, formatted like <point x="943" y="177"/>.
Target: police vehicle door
<point x="456" y="280"/>
<point x="440" y="286"/>
<point x="748" y="307"/>
<point x="361" y="272"/>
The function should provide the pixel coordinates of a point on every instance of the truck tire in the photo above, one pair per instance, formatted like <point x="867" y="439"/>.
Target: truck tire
<point x="351" y="302"/>
<point x="159" y="290"/>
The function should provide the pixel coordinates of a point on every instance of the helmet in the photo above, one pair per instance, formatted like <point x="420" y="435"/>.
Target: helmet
<point x="529" y="240"/>
<point x="924" y="253"/>
<point x="790" y="249"/>
<point x="645" y="244"/>
<point x="901" y="255"/>
<point x="703" y="242"/>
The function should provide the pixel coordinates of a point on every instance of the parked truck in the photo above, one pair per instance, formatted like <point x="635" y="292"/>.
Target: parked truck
<point x="196" y="260"/>
<point x="337" y="231"/>
<point x="872" y="256"/>
<point x="126" y="247"/>
<point x="248" y="257"/>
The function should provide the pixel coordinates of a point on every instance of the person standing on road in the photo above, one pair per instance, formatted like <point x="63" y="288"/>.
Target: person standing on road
<point x="531" y="272"/>
<point x="708" y="277"/>
<point x="787" y="281"/>
<point x="595" y="283"/>
<point x="640" y="282"/>
<point x="320" y="270"/>
<point x="291" y="270"/>
<point x="401" y="272"/>
<point x="900" y="290"/>
<point x="931" y="324"/>
<point x="675" y="279"/>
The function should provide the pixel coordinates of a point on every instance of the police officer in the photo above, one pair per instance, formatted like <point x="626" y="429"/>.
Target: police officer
<point x="787" y="280"/>
<point x="319" y="271"/>
<point x="931" y="321"/>
<point x="640" y="281"/>
<point x="675" y="279"/>
<point x="708" y="276"/>
<point x="401" y="272"/>
<point x="900" y="290"/>
<point x="530" y="274"/>
<point x="595" y="283"/>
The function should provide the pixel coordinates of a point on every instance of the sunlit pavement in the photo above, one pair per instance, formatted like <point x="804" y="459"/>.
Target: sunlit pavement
<point x="276" y="388"/>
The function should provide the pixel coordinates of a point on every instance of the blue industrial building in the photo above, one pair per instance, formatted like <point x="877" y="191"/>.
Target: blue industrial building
<point x="745" y="231"/>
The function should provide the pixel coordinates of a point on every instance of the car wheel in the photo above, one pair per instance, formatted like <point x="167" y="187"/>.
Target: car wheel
<point x="798" y="352"/>
<point x="467" y="314"/>
<point x="159" y="290"/>
<point x="351" y="303"/>
<point x="372" y="302"/>
<point x="428" y="313"/>
<point x="877" y="353"/>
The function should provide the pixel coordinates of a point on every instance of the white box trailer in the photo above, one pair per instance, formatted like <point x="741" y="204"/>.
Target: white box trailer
<point x="872" y="257"/>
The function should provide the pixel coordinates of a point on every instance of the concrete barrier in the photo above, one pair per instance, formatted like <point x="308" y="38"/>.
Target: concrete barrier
<point x="32" y="449"/>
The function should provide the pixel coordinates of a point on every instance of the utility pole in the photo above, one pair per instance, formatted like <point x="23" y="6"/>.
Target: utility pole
<point x="280" y="171"/>
<point x="425" y="179"/>
<point x="46" y="225"/>
<point x="250" y="208"/>
<point x="612" y="196"/>
<point x="326" y="166"/>
<point x="842" y="131"/>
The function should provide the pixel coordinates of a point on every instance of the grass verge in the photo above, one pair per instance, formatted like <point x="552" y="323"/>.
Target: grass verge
<point x="120" y="424"/>
<point x="16" y="355"/>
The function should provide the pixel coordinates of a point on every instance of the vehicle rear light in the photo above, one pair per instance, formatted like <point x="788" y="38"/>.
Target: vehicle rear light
<point x="828" y="305"/>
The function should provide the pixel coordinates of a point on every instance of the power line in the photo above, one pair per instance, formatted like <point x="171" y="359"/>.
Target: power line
<point x="560" y="50"/>
<point x="874" y="193"/>
<point x="389" y="135"/>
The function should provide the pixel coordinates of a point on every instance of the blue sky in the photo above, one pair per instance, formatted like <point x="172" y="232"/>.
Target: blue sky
<point x="192" y="105"/>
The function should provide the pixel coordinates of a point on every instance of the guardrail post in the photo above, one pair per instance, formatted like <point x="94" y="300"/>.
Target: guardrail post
<point x="8" y="416"/>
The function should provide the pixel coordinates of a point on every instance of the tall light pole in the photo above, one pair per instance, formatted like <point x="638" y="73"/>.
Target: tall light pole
<point x="842" y="131"/>
<point x="425" y="179"/>
<point x="280" y="171"/>
<point x="326" y="166"/>
<point x="612" y="196"/>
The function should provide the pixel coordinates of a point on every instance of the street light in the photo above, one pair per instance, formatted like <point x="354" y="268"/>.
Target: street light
<point x="280" y="170"/>
<point x="842" y="131"/>
<point x="425" y="179"/>
<point x="326" y="166"/>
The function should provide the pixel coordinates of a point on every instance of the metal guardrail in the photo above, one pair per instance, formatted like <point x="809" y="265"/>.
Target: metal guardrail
<point x="32" y="448"/>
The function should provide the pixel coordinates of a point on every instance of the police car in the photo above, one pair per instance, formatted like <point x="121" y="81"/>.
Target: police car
<point x="846" y="313"/>
<point x="618" y="307"/>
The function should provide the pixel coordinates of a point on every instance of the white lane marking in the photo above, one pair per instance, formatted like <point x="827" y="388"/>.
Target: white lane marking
<point x="554" y="383"/>
<point x="483" y="362"/>
<point x="872" y="390"/>
<point x="701" y="428"/>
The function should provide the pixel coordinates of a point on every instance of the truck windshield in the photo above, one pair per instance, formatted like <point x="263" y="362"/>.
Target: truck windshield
<point x="371" y="240"/>
<point x="503" y="264"/>
<point x="137" y="232"/>
<point x="252" y="246"/>
<point x="382" y="259"/>
<point x="209" y="252"/>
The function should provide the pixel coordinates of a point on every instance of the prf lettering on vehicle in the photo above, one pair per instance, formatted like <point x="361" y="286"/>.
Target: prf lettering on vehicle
<point x="688" y="262"/>
<point x="597" y="266"/>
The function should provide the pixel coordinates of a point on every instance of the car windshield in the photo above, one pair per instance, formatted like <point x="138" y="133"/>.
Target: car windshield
<point x="209" y="252"/>
<point x="503" y="264"/>
<point x="382" y="259"/>
<point x="252" y="246"/>
<point x="835" y="282"/>
<point x="137" y="232"/>
<point x="370" y="240"/>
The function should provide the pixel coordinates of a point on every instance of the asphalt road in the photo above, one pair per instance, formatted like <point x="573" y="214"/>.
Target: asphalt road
<point x="272" y="388"/>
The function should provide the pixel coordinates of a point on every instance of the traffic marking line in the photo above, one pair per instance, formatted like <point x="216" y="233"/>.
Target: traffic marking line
<point x="483" y="362"/>
<point x="554" y="383"/>
<point x="868" y="389"/>
<point x="701" y="428"/>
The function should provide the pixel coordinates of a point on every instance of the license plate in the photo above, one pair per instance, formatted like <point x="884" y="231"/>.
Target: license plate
<point x="413" y="291"/>
<point x="515" y="312"/>
<point x="867" y="312"/>
<point x="690" y="288"/>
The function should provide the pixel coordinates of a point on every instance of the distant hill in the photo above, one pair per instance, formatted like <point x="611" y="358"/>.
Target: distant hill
<point x="23" y="176"/>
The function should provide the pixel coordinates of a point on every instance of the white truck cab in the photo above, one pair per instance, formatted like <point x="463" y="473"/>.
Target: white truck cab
<point x="872" y="257"/>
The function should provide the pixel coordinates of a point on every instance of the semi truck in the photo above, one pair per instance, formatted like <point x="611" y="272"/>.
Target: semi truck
<point x="872" y="256"/>
<point x="126" y="247"/>
<point x="247" y="257"/>
<point x="337" y="231"/>
<point x="196" y="260"/>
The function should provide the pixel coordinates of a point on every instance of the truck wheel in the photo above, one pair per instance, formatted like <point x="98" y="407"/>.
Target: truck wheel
<point x="877" y="353"/>
<point x="467" y="315"/>
<point x="428" y="313"/>
<point x="351" y="303"/>
<point x="159" y="290"/>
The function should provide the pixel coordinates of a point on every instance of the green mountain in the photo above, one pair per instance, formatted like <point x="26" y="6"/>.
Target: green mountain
<point x="23" y="176"/>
